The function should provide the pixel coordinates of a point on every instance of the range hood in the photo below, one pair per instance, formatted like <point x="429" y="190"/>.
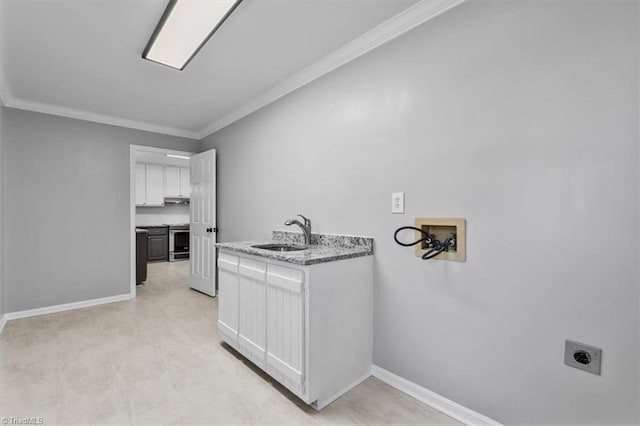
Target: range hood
<point x="176" y="200"/>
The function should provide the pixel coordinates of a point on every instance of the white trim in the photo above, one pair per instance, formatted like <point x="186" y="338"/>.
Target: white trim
<point x="394" y="27"/>
<point x="3" y="322"/>
<point x="17" y="103"/>
<point x="65" y="307"/>
<point x="132" y="220"/>
<point x="319" y="405"/>
<point x="439" y="402"/>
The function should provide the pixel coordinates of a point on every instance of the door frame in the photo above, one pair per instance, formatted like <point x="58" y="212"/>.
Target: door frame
<point x="132" y="204"/>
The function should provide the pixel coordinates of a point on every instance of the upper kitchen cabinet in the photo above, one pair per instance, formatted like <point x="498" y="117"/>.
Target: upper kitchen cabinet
<point x="177" y="182"/>
<point x="141" y="183"/>
<point x="185" y="182"/>
<point x="155" y="192"/>
<point x="149" y="185"/>
<point x="172" y="181"/>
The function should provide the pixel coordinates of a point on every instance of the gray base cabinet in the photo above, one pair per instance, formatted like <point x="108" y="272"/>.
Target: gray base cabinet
<point x="157" y="248"/>
<point x="158" y="242"/>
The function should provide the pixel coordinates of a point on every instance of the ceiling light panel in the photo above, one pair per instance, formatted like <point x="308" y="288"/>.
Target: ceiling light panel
<point x="184" y="28"/>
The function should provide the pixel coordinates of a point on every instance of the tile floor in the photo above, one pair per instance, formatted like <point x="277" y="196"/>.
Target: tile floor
<point x="158" y="360"/>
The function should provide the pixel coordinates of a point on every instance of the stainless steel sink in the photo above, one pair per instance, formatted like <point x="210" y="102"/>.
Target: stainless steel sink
<point x="279" y="247"/>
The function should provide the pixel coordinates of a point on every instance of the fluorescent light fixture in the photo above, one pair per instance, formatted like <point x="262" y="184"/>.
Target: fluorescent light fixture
<point x="177" y="156"/>
<point x="185" y="26"/>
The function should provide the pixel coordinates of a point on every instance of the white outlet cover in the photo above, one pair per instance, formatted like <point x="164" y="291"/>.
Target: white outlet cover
<point x="397" y="202"/>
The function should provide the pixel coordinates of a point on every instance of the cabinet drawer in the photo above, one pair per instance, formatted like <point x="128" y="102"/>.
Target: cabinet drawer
<point x="287" y="278"/>
<point x="253" y="269"/>
<point x="228" y="262"/>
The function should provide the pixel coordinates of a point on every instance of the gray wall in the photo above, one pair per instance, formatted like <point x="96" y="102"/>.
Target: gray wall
<point x="67" y="208"/>
<point x="520" y="117"/>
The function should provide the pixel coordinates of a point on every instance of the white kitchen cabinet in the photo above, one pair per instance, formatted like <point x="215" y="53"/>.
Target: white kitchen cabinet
<point x="177" y="183"/>
<point x="185" y="182"/>
<point x="154" y="185"/>
<point x="228" y="284"/>
<point x="149" y="185"/>
<point x="252" y="299"/>
<point x="309" y="327"/>
<point x="172" y="181"/>
<point x="285" y="326"/>
<point x="141" y="183"/>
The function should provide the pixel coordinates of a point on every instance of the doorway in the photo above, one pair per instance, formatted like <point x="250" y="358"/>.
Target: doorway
<point x="159" y="193"/>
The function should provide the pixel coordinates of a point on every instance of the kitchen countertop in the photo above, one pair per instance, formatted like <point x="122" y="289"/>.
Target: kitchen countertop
<point x="324" y="248"/>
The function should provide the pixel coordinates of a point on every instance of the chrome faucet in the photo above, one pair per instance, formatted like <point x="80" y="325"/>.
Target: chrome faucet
<point x="306" y="228"/>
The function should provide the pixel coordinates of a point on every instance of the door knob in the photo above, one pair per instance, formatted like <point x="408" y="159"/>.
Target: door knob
<point x="209" y="229"/>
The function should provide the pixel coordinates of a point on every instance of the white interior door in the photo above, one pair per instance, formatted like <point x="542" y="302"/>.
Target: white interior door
<point x="203" y="222"/>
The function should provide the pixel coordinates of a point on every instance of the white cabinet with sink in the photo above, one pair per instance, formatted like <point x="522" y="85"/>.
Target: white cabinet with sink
<point x="308" y="326"/>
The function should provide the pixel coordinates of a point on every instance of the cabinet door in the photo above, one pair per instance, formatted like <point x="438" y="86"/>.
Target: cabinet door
<point x="252" y="311"/>
<point x="286" y="326"/>
<point x="172" y="181"/>
<point x="228" y="298"/>
<point x="185" y="182"/>
<point x="141" y="184"/>
<point x="158" y="247"/>
<point x="154" y="185"/>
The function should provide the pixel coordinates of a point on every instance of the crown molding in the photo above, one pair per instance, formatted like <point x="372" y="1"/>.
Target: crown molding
<point x="8" y="100"/>
<point x="17" y="103"/>
<point x="394" y="27"/>
<point x="401" y="23"/>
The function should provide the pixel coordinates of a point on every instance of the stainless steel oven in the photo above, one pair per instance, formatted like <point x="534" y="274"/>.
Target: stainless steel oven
<point x="178" y="242"/>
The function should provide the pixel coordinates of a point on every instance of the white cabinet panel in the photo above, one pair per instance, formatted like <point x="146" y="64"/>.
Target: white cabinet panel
<point x="185" y="182"/>
<point x="177" y="182"/>
<point x="252" y="311"/>
<point x="141" y="185"/>
<point x="154" y="185"/>
<point x="228" y="294"/>
<point x="149" y="185"/>
<point x="172" y="181"/>
<point x="285" y="326"/>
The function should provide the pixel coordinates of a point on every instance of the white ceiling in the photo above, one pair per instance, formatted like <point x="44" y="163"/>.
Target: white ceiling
<point x="83" y="57"/>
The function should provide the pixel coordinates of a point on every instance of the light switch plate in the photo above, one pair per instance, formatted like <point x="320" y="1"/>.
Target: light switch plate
<point x="397" y="202"/>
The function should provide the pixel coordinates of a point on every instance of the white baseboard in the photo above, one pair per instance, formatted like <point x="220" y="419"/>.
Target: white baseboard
<point x="319" y="405"/>
<point x="65" y="307"/>
<point x="439" y="402"/>
<point x="3" y="321"/>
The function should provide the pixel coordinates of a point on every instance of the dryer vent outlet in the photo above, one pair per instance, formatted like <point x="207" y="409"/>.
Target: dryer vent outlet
<point x="581" y="356"/>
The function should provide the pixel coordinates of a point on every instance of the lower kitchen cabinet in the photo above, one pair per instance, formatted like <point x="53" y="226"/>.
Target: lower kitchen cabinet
<point x="309" y="327"/>
<point x="157" y="243"/>
<point x="157" y="247"/>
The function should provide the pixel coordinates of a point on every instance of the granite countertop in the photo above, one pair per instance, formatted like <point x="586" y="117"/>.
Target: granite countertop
<point x="324" y="247"/>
